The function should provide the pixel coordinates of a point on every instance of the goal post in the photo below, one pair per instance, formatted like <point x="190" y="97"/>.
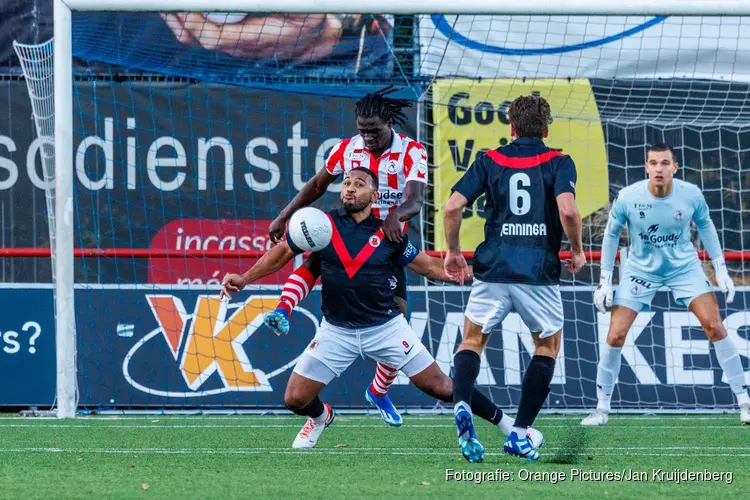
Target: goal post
<point x="65" y="151"/>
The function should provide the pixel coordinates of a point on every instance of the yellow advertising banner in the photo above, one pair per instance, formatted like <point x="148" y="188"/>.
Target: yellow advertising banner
<point x="471" y="116"/>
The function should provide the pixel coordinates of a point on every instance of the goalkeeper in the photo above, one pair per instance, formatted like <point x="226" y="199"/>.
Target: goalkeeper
<point x="658" y="212"/>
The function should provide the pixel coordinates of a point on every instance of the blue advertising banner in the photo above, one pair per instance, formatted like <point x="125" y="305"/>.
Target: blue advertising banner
<point x="176" y="347"/>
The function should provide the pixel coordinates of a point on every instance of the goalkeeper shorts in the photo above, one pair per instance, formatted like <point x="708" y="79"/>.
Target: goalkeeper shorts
<point x="393" y="343"/>
<point x="636" y="291"/>
<point x="539" y="306"/>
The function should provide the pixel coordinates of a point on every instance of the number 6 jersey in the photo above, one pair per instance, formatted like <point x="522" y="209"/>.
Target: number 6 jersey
<point x="522" y="232"/>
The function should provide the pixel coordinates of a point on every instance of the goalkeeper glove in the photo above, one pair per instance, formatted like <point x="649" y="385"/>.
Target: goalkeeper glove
<point x="723" y="279"/>
<point x="603" y="293"/>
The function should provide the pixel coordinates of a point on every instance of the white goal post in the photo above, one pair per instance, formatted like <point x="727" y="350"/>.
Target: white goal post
<point x="63" y="90"/>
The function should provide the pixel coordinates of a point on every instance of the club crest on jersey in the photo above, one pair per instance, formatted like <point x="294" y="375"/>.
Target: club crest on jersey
<point x="678" y="214"/>
<point x="392" y="167"/>
<point x="375" y="241"/>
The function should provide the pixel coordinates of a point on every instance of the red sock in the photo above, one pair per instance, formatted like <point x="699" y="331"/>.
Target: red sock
<point x="297" y="287"/>
<point x="384" y="377"/>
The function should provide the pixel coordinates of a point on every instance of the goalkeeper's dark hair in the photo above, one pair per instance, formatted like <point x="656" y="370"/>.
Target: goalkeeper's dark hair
<point x="530" y="116"/>
<point x="374" y="181"/>
<point x="660" y="148"/>
<point x="389" y="109"/>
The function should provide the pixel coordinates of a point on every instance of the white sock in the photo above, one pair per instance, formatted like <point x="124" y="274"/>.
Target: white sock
<point x="520" y="431"/>
<point x="729" y="359"/>
<point x="506" y="424"/>
<point x="462" y="404"/>
<point x="606" y="374"/>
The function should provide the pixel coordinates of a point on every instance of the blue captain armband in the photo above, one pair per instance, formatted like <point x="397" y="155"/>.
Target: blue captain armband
<point x="408" y="255"/>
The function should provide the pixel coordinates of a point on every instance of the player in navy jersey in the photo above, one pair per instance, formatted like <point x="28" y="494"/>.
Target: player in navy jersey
<point x="400" y="165"/>
<point x="361" y="316"/>
<point x="530" y="201"/>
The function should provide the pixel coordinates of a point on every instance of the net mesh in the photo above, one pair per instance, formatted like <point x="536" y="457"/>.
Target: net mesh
<point x="192" y="131"/>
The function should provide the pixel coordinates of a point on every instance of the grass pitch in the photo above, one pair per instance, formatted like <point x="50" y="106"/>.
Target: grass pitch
<point x="361" y="457"/>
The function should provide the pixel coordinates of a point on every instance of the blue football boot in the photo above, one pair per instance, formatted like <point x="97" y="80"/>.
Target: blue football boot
<point x="278" y="321"/>
<point x="383" y="403"/>
<point x="471" y="448"/>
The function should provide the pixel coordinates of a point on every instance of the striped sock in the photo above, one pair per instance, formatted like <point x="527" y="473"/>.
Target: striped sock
<point x="297" y="287"/>
<point x="384" y="377"/>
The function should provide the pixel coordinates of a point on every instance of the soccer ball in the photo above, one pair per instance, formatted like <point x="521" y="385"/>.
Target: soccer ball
<point x="310" y="229"/>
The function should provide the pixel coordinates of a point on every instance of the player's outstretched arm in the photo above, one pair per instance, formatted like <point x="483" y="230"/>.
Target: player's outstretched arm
<point x="433" y="268"/>
<point x="571" y="223"/>
<point x="710" y="238"/>
<point x="414" y="199"/>
<point x="454" y="264"/>
<point x="273" y="260"/>
<point x="312" y="191"/>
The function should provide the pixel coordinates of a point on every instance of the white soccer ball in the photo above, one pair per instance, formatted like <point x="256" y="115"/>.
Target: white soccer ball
<point x="310" y="229"/>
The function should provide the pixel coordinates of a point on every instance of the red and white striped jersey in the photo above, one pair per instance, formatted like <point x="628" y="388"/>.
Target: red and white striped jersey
<point x="405" y="161"/>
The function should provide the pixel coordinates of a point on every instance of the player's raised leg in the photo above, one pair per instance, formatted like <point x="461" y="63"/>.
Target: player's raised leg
<point x="706" y="309"/>
<point x="608" y="368"/>
<point x="296" y="288"/>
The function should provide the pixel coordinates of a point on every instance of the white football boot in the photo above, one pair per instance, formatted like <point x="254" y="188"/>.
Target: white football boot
<point x="308" y="436"/>
<point x="745" y="414"/>
<point x="596" y="417"/>
<point x="506" y="425"/>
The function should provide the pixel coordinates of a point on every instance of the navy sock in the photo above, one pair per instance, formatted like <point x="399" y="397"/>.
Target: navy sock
<point x="314" y="409"/>
<point x="482" y="407"/>
<point x="534" y="389"/>
<point x="466" y="369"/>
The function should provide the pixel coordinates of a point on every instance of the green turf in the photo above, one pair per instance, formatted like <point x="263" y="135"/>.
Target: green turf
<point x="357" y="457"/>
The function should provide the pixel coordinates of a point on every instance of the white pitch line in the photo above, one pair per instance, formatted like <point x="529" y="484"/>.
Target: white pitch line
<point x="542" y="418"/>
<point x="271" y="451"/>
<point x="160" y="426"/>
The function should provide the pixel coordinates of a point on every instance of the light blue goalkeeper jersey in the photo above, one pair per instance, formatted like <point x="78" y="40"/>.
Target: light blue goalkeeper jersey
<point x="659" y="230"/>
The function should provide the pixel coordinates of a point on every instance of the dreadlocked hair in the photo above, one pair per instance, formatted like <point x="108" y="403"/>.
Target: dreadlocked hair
<point x="387" y="108"/>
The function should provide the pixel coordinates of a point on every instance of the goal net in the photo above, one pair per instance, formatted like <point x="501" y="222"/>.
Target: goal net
<point x="188" y="132"/>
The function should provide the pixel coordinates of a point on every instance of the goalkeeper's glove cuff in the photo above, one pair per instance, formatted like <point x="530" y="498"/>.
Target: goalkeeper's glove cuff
<point x="605" y="277"/>
<point x="720" y="266"/>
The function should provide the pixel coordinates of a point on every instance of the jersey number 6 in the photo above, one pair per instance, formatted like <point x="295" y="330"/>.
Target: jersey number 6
<point x="520" y="199"/>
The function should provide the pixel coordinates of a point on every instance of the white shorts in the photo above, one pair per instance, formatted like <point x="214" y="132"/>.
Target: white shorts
<point x="636" y="292"/>
<point x="540" y="306"/>
<point x="394" y="344"/>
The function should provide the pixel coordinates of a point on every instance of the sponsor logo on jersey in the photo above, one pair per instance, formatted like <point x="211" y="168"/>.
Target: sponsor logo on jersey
<point x="357" y="156"/>
<point x="511" y="229"/>
<point x="653" y="237"/>
<point x="390" y="195"/>
<point x="202" y="345"/>
<point x="641" y="282"/>
<point x="393" y="282"/>
<point x="375" y="241"/>
<point x="642" y="206"/>
<point x="678" y="214"/>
